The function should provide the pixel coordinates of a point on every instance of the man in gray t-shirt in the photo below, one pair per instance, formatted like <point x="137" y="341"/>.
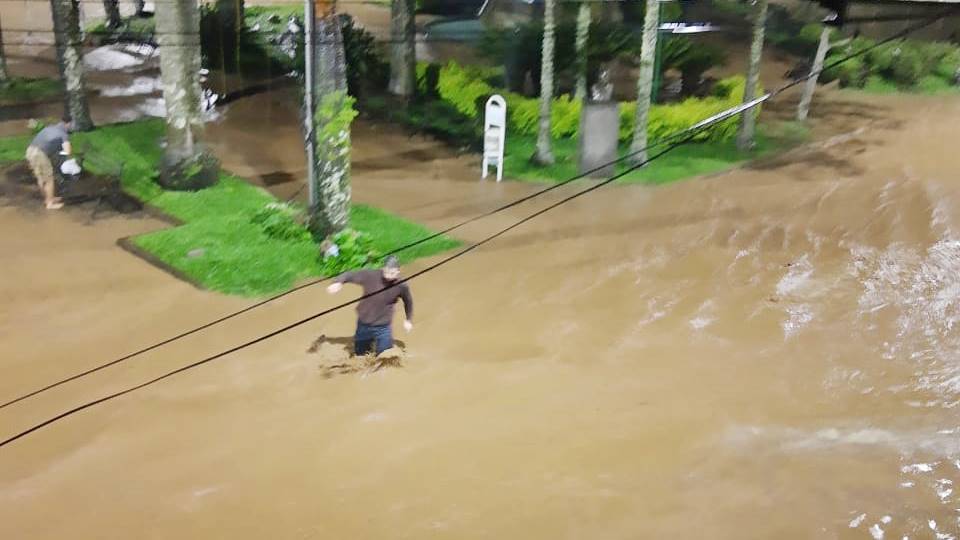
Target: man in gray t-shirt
<point x="46" y="149"/>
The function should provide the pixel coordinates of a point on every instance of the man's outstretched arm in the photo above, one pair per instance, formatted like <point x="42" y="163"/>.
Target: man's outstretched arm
<point x="346" y="277"/>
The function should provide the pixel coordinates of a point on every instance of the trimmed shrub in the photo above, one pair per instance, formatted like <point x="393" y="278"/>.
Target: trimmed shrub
<point x="464" y="89"/>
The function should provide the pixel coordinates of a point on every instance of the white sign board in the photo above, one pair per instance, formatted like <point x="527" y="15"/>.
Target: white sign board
<point x="494" y="134"/>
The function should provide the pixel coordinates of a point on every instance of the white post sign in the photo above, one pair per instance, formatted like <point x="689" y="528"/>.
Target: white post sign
<point x="494" y="134"/>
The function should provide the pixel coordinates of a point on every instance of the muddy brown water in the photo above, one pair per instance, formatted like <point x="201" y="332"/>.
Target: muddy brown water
<point x="768" y="353"/>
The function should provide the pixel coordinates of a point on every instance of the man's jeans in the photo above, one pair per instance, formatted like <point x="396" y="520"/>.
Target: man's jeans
<point x="367" y="334"/>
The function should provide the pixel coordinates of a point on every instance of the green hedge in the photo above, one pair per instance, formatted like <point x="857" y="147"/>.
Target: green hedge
<point x="909" y="65"/>
<point x="466" y="89"/>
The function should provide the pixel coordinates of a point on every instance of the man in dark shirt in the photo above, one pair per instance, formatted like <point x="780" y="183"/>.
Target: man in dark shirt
<point x="374" y="314"/>
<point x="46" y="149"/>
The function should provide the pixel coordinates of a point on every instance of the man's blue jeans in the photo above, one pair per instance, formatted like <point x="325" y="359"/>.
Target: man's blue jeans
<point x="367" y="335"/>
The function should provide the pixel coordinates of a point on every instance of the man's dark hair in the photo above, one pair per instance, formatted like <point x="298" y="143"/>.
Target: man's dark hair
<point x="391" y="262"/>
<point x="66" y="119"/>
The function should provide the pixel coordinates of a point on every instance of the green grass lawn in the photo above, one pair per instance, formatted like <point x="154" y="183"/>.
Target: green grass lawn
<point x="18" y="90"/>
<point x="686" y="161"/>
<point x="237" y="256"/>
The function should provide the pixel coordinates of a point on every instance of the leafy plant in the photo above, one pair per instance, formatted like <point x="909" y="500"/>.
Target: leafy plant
<point x="355" y="251"/>
<point x="366" y="68"/>
<point x="282" y="221"/>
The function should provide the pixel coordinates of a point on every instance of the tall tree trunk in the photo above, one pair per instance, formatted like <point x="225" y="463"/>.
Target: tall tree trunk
<point x="748" y="118"/>
<point x="403" y="55"/>
<point x="651" y="31"/>
<point x="66" y="28"/>
<point x="583" y="37"/>
<point x="230" y="15"/>
<point x="544" y="154"/>
<point x="4" y="76"/>
<point x="186" y="165"/>
<point x="112" y="9"/>
<point x="810" y="86"/>
<point x="333" y="112"/>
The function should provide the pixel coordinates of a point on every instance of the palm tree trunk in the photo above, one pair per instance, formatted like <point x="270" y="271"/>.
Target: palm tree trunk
<point x="748" y="118"/>
<point x="230" y="13"/>
<point x="66" y="28"/>
<point x="810" y="86"/>
<point x="583" y="37"/>
<point x="112" y="10"/>
<point x="403" y="59"/>
<point x="651" y="30"/>
<point x="185" y="165"/>
<point x="333" y="112"/>
<point x="4" y="76"/>
<point x="544" y="154"/>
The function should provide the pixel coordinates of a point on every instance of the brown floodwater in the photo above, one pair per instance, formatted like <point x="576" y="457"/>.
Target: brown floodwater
<point x="768" y="353"/>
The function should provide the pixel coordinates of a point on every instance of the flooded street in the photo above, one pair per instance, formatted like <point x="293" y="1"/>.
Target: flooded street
<point x="768" y="353"/>
<point x="772" y="352"/>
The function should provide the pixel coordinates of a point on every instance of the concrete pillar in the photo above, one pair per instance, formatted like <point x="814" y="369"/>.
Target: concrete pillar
<point x="599" y="137"/>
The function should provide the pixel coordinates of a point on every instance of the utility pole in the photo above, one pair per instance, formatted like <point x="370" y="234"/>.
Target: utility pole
<point x="309" y="73"/>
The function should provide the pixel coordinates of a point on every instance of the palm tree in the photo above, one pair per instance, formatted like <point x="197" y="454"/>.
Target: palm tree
<point x="66" y="28"/>
<point x="748" y="118"/>
<point x="4" y="76"/>
<point x="331" y="117"/>
<point x="112" y="10"/>
<point x="544" y="154"/>
<point x="583" y="37"/>
<point x="403" y="56"/>
<point x="230" y="15"/>
<point x="186" y="165"/>
<point x="651" y="30"/>
<point x="810" y="86"/>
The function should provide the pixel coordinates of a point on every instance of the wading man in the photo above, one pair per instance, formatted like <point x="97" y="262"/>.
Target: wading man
<point x="45" y="150"/>
<point x="375" y="314"/>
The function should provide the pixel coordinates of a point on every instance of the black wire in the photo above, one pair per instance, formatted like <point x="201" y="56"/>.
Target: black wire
<point x="690" y="133"/>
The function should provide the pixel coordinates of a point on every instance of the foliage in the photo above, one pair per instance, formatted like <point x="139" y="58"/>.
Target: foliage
<point x="518" y="50"/>
<point x="690" y="58"/>
<point x="355" y="251"/>
<point x="18" y="90"/>
<point x="132" y="29"/>
<point x="198" y="171"/>
<point x="686" y="161"/>
<point x="366" y="68"/>
<point x="906" y="64"/>
<point x="282" y="221"/>
<point x="634" y="12"/>
<point x="465" y="90"/>
<point x="433" y="117"/>
<point x="13" y="148"/>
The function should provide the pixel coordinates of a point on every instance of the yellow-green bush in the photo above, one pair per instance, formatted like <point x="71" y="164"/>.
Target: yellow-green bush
<point x="466" y="89"/>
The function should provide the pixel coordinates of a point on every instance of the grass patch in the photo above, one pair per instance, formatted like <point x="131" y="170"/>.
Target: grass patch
<point x="878" y="85"/>
<point x="13" y="148"/>
<point x="133" y="28"/>
<point x="17" y="90"/>
<point x="686" y="161"/>
<point x="238" y="256"/>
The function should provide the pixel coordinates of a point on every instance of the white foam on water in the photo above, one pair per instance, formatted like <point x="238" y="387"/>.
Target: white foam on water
<point x="109" y="58"/>
<point x="857" y="521"/>
<point x="797" y="278"/>
<point x="876" y="532"/>
<point x="798" y="317"/>
<point x="139" y="86"/>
